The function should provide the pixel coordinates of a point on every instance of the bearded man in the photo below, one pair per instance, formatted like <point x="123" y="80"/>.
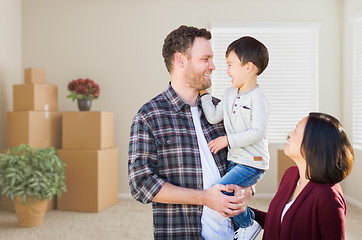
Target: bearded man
<point x="170" y="164"/>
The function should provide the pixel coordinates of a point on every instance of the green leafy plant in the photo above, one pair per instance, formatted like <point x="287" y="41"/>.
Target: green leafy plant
<point x="31" y="172"/>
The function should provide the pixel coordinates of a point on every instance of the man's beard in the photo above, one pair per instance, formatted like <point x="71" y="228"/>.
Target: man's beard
<point x="195" y="79"/>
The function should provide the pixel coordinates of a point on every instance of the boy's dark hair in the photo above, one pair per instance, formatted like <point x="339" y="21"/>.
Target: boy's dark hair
<point x="181" y="40"/>
<point x="248" y="49"/>
<point x="326" y="149"/>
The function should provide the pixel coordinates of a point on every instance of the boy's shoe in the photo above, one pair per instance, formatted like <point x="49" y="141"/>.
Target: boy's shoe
<point x="248" y="233"/>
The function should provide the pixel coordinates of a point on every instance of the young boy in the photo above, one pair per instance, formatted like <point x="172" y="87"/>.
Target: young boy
<point x="245" y="112"/>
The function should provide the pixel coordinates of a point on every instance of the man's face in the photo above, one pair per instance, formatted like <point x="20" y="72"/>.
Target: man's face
<point x="200" y="65"/>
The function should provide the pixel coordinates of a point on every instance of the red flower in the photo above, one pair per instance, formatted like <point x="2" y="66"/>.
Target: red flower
<point x="82" y="88"/>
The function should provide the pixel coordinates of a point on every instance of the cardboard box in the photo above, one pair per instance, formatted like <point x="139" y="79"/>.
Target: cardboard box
<point x="284" y="162"/>
<point x="91" y="179"/>
<point x="34" y="75"/>
<point x="38" y="129"/>
<point x="35" y="97"/>
<point x="88" y="130"/>
<point x="8" y="205"/>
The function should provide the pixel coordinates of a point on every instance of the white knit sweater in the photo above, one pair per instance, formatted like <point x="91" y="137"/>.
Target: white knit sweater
<point x="245" y="118"/>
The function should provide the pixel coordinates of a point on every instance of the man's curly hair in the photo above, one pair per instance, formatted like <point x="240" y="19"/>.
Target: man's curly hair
<point x="181" y="40"/>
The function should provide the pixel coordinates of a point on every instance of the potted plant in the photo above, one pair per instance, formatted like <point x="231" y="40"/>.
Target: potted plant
<point x="84" y="90"/>
<point x="29" y="177"/>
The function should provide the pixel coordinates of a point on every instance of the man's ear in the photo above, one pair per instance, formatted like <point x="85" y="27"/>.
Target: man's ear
<point x="179" y="59"/>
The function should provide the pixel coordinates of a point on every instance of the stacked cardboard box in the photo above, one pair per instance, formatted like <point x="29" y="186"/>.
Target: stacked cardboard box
<point x="284" y="162"/>
<point x="35" y="120"/>
<point x="92" y="161"/>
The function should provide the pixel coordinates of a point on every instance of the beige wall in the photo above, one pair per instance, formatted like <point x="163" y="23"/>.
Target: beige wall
<point x="10" y="58"/>
<point x="351" y="185"/>
<point x="118" y="44"/>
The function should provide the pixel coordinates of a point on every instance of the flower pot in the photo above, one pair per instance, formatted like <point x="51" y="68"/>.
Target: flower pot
<point x="32" y="213"/>
<point x="84" y="104"/>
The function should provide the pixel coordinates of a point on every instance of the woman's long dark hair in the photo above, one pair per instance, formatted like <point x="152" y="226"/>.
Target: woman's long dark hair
<point x="326" y="149"/>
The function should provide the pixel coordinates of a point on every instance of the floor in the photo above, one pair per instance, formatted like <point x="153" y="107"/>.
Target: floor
<point x="128" y="219"/>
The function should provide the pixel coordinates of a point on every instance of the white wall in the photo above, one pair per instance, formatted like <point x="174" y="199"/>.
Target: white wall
<point x="118" y="44"/>
<point x="351" y="185"/>
<point x="10" y="58"/>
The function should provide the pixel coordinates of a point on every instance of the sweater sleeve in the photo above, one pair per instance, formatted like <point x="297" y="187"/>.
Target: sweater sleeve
<point x="259" y="216"/>
<point x="213" y="114"/>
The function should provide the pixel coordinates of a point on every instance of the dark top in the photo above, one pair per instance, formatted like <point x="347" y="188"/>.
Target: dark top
<point x="317" y="213"/>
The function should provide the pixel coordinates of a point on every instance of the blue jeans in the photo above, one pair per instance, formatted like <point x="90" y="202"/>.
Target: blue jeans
<point x="243" y="176"/>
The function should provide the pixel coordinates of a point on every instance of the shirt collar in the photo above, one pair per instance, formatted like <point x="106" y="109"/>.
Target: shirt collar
<point x="175" y="101"/>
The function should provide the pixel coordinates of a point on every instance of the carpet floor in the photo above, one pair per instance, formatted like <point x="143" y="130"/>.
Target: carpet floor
<point x="126" y="220"/>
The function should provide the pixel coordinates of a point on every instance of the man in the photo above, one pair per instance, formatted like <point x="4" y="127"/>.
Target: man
<point x="170" y="163"/>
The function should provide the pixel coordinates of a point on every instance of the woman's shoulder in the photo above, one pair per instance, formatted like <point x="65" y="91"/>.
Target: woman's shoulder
<point x="328" y="196"/>
<point x="291" y="170"/>
<point x="289" y="174"/>
<point x="328" y="189"/>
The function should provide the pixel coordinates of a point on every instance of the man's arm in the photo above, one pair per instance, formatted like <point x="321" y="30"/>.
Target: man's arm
<point x="213" y="198"/>
<point x="146" y="186"/>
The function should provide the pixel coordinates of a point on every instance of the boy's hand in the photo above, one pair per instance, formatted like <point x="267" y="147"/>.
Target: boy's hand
<point x="218" y="143"/>
<point x="203" y="92"/>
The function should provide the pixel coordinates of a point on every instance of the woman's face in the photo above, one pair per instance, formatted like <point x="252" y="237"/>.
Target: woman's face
<point x="295" y="137"/>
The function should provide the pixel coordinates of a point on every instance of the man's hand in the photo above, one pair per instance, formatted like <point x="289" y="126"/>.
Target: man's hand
<point x="227" y="206"/>
<point x="218" y="143"/>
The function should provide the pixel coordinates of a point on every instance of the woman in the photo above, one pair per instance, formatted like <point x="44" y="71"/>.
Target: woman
<point x="309" y="203"/>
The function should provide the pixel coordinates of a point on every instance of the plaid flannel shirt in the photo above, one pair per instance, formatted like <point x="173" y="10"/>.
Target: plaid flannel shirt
<point x="163" y="148"/>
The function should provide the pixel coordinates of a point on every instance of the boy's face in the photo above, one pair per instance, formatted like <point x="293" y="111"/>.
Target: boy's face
<point x="236" y="70"/>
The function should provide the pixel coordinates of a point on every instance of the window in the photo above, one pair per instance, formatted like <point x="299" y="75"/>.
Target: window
<point x="357" y="79"/>
<point x="290" y="82"/>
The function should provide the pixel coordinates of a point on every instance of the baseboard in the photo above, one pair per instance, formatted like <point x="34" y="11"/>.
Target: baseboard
<point x="257" y="195"/>
<point x="263" y="195"/>
<point x="260" y="196"/>
<point x="353" y="201"/>
<point x="124" y="196"/>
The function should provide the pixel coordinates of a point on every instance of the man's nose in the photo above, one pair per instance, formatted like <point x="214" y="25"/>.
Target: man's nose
<point x="212" y="65"/>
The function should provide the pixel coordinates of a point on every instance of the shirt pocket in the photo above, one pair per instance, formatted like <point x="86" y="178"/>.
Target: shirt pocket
<point x="242" y="117"/>
<point x="168" y="152"/>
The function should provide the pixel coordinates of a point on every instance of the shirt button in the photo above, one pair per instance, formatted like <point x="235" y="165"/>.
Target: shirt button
<point x="235" y="105"/>
<point x="238" y="97"/>
<point x="234" y="112"/>
<point x="168" y="141"/>
<point x="198" y="186"/>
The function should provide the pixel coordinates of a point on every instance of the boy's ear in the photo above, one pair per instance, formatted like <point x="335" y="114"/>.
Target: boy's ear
<point x="250" y="67"/>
